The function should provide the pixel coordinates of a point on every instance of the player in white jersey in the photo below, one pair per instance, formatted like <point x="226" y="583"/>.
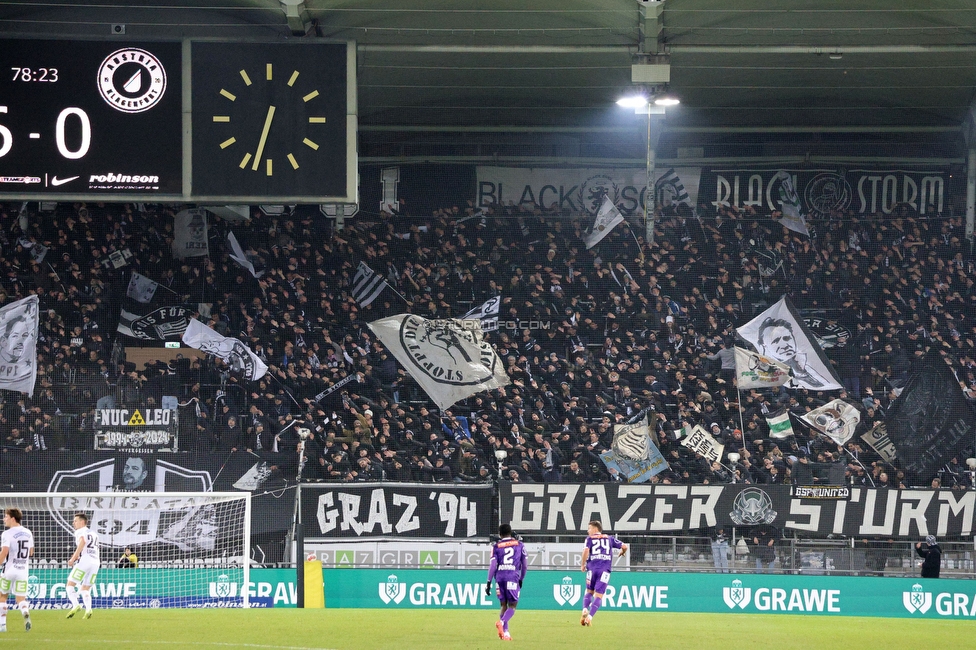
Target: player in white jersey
<point x="16" y="549"/>
<point x="84" y="563"/>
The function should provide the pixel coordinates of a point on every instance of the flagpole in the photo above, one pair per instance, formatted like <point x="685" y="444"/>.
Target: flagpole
<point x="742" y="423"/>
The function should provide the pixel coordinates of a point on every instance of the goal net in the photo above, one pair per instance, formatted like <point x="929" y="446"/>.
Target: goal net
<point x="192" y="549"/>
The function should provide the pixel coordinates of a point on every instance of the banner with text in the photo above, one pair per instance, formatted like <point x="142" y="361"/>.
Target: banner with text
<point x="404" y="510"/>
<point x="823" y="190"/>
<point x="663" y="592"/>
<point x="141" y="429"/>
<point x="582" y="190"/>
<point x="559" y="509"/>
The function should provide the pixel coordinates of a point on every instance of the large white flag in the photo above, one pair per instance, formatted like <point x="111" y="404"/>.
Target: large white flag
<point x="779" y="333"/>
<point x="753" y="370"/>
<point x="836" y="419"/>
<point x="236" y="354"/>
<point x="487" y="313"/>
<point x="190" y="234"/>
<point x="448" y="358"/>
<point x="701" y="442"/>
<point x="792" y="208"/>
<point x="607" y="219"/>
<point x="237" y="254"/>
<point x="18" y="346"/>
<point x="141" y="289"/>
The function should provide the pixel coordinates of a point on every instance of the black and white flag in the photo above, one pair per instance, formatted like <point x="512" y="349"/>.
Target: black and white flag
<point x="190" y="234"/>
<point x="238" y="255"/>
<point x="234" y="352"/>
<point x="487" y="313"/>
<point x="792" y="208"/>
<point x="367" y="285"/>
<point x="158" y="325"/>
<point x="607" y="218"/>
<point x="18" y="345"/>
<point x="449" y="359"/>
<point x="141" y="289"/>
<point x="780" y="334"/>
<point x="836" y="419"/>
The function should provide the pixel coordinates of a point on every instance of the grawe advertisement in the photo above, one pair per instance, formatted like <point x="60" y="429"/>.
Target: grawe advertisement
<point x="671" y="592"/>
<point x="162" y="588"/>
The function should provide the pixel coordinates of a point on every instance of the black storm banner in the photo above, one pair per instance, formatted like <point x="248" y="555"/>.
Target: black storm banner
<point x="563" y="508"/>
<point x="400" y="510"/>
<point x="822" y="190"/>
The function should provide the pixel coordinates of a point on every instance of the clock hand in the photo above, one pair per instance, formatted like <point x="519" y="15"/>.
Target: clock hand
<point x="264" y="138"/>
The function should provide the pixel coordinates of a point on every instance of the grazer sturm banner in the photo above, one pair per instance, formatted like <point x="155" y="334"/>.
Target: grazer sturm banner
<point x="647" y="591"/>
<point x="352" y="554"/>
<point x="583" y="189"/>
<point x="396" y="510"/>
<point x="146" y="588"/>
<point x="137" y="430"/>
<point x="823" y="190"/>
<point x="563" y="509"/>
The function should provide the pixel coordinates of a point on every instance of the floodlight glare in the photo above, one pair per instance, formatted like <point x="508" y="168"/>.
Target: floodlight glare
<point x="667" y="100"/>
<point x="632" y="101"/>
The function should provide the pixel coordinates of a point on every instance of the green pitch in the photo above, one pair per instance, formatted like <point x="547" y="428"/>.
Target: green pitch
<point x="401" y="630"/>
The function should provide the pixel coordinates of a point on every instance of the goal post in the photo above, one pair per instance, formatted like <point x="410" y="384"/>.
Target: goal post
<point x="192" y="548"/>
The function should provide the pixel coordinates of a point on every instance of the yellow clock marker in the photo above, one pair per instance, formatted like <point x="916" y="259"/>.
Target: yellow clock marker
<point x="264" y="138"/>
<point x="312" y="95"/>
<point x="247" y="157"/>
<point x="268" y="71"/>
<point x="228" y="142"/>
<point x="247" y="80"/>
<point x="294" y="76"/>
<point x="221" y="118"/>
<point x="228" y="95"/>
<point x="316" y="120"/>
<point x="294" y="163"/>
<point x="311" y="144"/>
<point x="268" y="161"/>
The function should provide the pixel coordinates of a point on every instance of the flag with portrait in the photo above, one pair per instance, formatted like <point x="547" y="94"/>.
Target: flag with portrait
<point x="18" y="345"/>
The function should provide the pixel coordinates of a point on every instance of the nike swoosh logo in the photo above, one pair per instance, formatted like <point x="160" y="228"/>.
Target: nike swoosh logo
<point x="61" y="181"/>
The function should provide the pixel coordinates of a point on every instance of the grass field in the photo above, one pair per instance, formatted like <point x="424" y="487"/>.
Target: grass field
<point x="400" y="630"/>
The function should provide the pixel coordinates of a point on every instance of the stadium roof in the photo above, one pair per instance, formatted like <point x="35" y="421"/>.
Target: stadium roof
<point x="854" y="64"/>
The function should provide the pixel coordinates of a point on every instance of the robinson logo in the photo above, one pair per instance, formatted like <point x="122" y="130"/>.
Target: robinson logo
<point x="917" y="600"/>
<point x="566" y="593"/>
<point x="392" y="590"/>
<point x="131" y="80"/>
<point x="737" y="595"/>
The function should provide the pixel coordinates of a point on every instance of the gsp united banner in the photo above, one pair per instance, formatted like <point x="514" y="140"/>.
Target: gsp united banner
<point x="136" y="430"/>
<point x="561" y="509"/>
<point x="824" y="189"/>
<point x="400" y="510"/>
<point x="645" y="591"/>
<point x="582" y="190"/>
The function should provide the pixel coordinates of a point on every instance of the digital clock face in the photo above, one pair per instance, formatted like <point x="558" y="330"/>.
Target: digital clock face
<point x="82" y="118"/>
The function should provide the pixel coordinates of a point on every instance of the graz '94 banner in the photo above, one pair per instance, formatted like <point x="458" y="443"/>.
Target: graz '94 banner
<point x="396" y="510"/>
<point x="560" y="509"/>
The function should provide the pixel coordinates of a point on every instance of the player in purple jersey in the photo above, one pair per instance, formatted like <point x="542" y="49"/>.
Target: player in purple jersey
<point x="507" y="568"/>
<point x="597" y="564"/>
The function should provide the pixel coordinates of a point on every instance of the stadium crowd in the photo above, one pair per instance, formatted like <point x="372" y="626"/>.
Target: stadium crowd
<point x="589" y="338"/>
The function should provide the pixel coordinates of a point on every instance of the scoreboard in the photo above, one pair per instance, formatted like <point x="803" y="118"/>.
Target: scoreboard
<point x="178" y="121"/>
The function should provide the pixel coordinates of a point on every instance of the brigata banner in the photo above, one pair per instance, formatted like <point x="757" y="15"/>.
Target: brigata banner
<point x="665" y="592"/>
<point x="401" y="510"/>
<point x="138" y="430"/>
<point x="825" y="189"/>
<point x="161" y="588"/>
<point x="562" y="508"/>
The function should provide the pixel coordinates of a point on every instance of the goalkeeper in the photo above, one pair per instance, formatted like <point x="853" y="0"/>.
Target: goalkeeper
<point x="128" y="560"/>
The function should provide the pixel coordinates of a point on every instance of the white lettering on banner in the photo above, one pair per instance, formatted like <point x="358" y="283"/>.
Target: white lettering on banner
<point x="429" y="593"/>
<point x="354" y="512"/>
<point x="663" y="507"/>
<point x="811" y="511"/>
<point x="965" y="504"/>
<point x="451" y="508"/>
<point x="624" y="523"/>
<point x="916" y="512"/>
<point x="377" y="513"/>
<point x="595" y="504"/>
<point x="407" y="521"/>
<point x="326" y="517"/>
<point x="798" y="600"/>
<point x="563" y="506"/>
<point x="868" y="527"/>
<point x="636" y="596"/>
<point x="704" y="509"/>
<point x="534" y="509"/>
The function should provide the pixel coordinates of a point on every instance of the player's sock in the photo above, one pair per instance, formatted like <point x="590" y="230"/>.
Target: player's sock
<point x="86" y="598"/>
<point x="3" y="614"/>
<point x="24" y="608"/>
<point x="595" y="605"/>
<point x="72" y="591"/>
<point x="506" y="617"/>
<point x="587" y="599"/>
